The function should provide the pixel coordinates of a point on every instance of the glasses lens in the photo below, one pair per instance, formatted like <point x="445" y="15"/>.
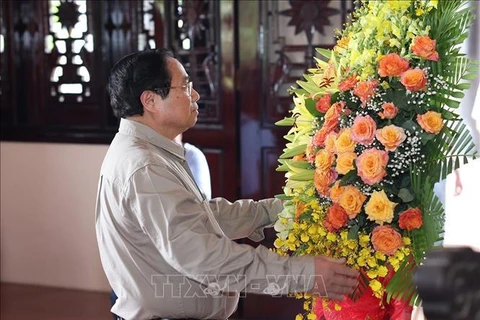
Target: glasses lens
<point x="189" y="87"/>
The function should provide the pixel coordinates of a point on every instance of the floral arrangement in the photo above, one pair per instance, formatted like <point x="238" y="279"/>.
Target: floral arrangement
<point x="373" y="128"/>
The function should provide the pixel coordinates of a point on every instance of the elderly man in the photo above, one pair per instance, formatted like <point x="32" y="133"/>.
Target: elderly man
<point x="166" y="250"/>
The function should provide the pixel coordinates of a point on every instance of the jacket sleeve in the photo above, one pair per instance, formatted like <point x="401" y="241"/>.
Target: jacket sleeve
<point x="176" y="222"/>
<point x="245" y="218"/>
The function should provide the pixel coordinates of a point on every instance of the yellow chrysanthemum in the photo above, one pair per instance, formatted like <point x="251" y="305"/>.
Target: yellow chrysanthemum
<point x="311" y="316"/>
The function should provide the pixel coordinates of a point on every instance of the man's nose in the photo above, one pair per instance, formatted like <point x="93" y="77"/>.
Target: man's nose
<point x="195" y="96"/>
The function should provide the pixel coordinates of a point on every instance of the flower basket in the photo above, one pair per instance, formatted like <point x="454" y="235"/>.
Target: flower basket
<point x="375" y="125"/>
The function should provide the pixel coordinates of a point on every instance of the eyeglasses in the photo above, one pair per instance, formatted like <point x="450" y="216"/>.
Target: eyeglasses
<point x="187" y="86"/>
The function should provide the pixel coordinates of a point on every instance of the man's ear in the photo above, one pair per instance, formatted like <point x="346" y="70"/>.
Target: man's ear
<point x="147" y="98"/>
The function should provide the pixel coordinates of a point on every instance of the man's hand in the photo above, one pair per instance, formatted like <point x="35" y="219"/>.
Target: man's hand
<point x="333" y="279"/>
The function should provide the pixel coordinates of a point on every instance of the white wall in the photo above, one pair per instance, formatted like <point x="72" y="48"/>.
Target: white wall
<point x="47" y="215"/>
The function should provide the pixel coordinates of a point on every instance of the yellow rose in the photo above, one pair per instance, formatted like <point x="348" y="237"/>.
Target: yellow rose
<point x="324" y="159"/>
<point x="344" y="142"/>
<point x="345" y="162"/>
<point x="379" y="208"/>
<point x="352" y="200"/>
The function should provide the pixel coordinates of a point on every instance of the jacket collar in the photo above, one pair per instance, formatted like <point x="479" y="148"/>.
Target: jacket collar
<point x="143" y="132"/>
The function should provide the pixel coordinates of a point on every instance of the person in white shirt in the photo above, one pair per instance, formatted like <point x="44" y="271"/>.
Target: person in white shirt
<point x="198" y="164"/>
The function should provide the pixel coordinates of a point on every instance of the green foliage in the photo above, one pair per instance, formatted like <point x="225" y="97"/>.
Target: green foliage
<point x="310" y="104"/>
<point x="445" y="151"/>
<point x="289" y="153"/>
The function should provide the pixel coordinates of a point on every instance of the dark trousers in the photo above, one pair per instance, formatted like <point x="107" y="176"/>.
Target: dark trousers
<point x="113" y="298"/>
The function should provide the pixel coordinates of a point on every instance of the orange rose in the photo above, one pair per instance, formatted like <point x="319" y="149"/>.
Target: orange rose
<point x="352" y="201"/>
<point x="365" y="90"/>
<point x="336" y="191"/>
<point x="322" y="179"/>
<point x="424" y="47"/>
<point x="330" y="141"/>
<point x="363" y="130"/>
<point x="332" y="115"/>
<point x="391" y="137"/>
<point x="430" y="121"/>
<point x="324" y="159"/>
<point x="310" y="152"/>
<point x="345" y="162"/>
<point x="336" y="218"/>
<point x="319" y="137"/>
<point x="323" y="104"/>
<point x="414" y="79"/>
<point x="410" y="219"/>
<point x="386" y="240"/>
<point x="392" y="65"/>
<point x="371" y="165"/>
<point x="390" y="111"/>
<point x="348" y="83"/>
<point x="344" y="142"/>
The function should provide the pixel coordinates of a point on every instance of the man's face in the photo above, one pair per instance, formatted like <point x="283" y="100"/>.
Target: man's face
<point x="179" y="110"/>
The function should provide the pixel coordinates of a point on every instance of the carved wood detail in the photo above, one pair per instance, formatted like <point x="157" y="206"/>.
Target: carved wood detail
<point x="293" y="29"/>
<point x="194" y="36"/>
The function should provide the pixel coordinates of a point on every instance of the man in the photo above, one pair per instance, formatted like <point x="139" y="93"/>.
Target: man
<point x="197" y="162"/>
<point x="166" y="251"/>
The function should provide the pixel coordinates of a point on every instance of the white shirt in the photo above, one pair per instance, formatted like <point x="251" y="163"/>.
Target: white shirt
<point x="165" y="249"/>
<point x="198" y="164"/>
<point x="462" y="214"/>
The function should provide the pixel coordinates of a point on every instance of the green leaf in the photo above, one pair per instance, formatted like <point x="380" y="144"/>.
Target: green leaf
<point x="324" y="52"/>
<point x="309" y="86"/>
<point x="350" y="177"/>
<point x="470" y="76"/>
<point x="283" y="196"/>
<point x="298" y="164"/>
<point x="305" y="175"/>
<point x="289" y="153"/>
<point x="410" y="126"/>
<point x="289" y="137"/>
<point x="310" y="104"/>
<point x="398" y="97"/>
<point x="285" y="122"/>
<point x="463" y="86"/>
<point x="452" y="103"/>
<point x="405" y="195"/>
<point x="335" y="97"/>
<point x="353" y="232"/>
<point x="457" y="94"/>
<point x="448" y="115"/>
<point x="426" y="137"/>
